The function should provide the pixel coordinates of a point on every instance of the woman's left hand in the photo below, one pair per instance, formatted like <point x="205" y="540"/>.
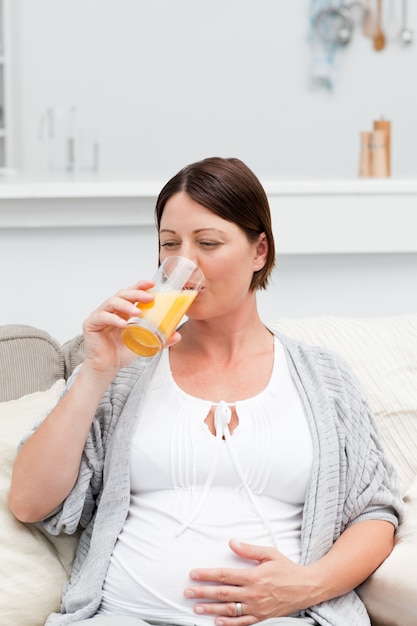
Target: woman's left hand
<point x="274" y="587"/>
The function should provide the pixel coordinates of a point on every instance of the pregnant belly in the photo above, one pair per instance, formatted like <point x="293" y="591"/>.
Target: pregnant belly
<point x="154" y="554"/>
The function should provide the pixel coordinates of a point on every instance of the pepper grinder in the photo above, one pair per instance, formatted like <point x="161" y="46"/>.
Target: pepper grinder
<point x="365" y="163"/>
<point x="379" y="154"/>
<point x="385" y="126"/>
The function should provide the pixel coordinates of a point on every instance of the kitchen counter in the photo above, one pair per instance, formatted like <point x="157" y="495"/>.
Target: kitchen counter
<point x="309" y="216"/>
<point x="100" y="187"/>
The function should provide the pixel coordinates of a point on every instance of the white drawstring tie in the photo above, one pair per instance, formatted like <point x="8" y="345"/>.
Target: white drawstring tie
<point x="222" y="417"/>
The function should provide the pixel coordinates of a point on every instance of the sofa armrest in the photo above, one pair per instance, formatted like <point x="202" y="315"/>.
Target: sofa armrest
<point x="73" y="354"/>
<point x="30" y="360"/>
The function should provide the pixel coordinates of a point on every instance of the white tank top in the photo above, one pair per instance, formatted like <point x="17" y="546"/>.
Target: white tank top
<point x="191" y="491"/>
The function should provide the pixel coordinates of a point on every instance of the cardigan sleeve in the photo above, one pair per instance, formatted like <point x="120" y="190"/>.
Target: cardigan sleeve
<point x="352" y="479"/>
<point x="377" y="488"/>
<point x="372" y="489"/>
<point x="79" y="508"/>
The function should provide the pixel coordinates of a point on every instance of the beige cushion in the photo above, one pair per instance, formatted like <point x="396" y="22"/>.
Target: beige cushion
<point x="383" y="353"/>
<point x="33" y="567"/>
<point x="390" y="594"/>
<point x="30" y="360"/>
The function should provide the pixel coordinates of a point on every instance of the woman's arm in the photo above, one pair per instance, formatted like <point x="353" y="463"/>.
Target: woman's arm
<point x="277" y="587"/>
<point x="47" y="465"/>
<point x="357" y="553"/>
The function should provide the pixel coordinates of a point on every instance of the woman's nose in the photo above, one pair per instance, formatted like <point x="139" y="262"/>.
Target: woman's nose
<point x="188" y="252"/>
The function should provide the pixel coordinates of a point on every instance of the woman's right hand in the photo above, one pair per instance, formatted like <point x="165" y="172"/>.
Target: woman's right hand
<point x="105" y="350"/>
<point x="104" y="347"/>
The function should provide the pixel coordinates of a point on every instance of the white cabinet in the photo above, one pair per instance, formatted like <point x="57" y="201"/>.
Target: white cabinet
<point x="351" y="216"/>
<point x="5" y="109"/>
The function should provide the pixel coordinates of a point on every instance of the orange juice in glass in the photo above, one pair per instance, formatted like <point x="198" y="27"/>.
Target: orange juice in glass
<point x="177" y="283"/>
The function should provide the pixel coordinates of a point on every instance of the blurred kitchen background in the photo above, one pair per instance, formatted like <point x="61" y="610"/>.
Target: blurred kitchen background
<point x="159" y="84"/>
<point x="103" y="100"/>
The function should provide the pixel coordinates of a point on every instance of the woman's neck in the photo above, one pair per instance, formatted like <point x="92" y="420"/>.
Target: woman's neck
<point x="224" y="339"/>
<point x="220" y="362"/>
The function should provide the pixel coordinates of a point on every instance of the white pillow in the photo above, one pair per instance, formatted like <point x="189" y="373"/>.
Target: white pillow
<point x="383" y="353"/>
<point x="33" y="567"/>
<point x="390" y="594"/>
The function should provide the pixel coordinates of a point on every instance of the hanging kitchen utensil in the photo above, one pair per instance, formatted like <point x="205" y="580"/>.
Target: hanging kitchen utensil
<point x="406" y="35"/>
<point x="334" y="25"/>
<point x="368" y="22"/>
<point x="379" y="37"/>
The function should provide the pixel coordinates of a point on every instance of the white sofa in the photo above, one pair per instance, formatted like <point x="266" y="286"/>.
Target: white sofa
<point x="33" y="369"/>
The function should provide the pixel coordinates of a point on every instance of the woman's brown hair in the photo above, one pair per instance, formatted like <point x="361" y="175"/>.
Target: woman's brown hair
<point x="228" y="188"/>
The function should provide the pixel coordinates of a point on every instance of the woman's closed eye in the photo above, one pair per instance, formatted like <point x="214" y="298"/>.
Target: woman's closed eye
<point x="170" y="244"/>
<point x="209" y="244"/>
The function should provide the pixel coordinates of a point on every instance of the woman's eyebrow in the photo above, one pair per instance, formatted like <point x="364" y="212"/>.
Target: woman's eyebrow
<point x="198" y="230"/>
<point x="201" y="230"/>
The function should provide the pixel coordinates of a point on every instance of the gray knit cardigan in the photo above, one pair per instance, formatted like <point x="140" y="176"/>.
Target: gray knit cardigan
<point x="351" y="477"/>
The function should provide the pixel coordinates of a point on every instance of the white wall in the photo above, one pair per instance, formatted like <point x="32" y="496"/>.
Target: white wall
<point x="170" y="82"/>
<point x="354" y="285"/>
<point x="58" y="276"/>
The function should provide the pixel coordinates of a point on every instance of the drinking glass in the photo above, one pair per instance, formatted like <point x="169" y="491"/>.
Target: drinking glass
<point x="177" y="283"/>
